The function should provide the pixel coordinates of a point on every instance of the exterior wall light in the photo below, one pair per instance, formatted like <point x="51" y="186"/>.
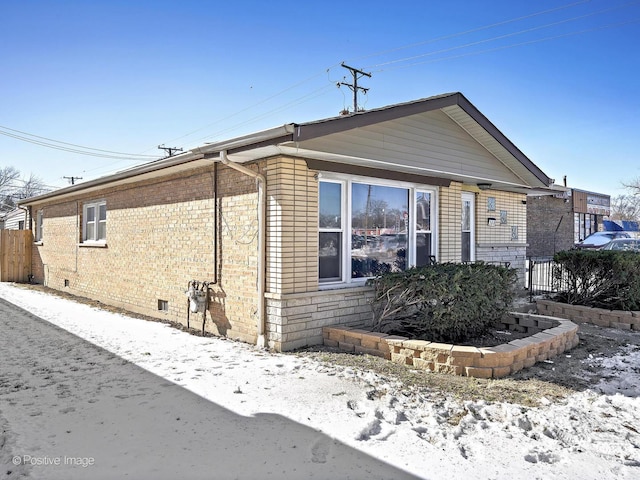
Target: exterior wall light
<point x="484" y="186"/>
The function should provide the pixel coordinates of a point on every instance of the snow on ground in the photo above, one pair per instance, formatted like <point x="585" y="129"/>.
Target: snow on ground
<point x="329" y="409"/>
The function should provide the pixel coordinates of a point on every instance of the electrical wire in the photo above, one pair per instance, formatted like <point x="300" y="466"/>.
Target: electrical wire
<point x="530" y="42"/>
<point x="486" y="27"/>
<point x="479" y="42"/>
<point x="250" y="107"/>
<point x="79" y="149"/>
<point x="69" y="147"/>
<point x="474" y="30"/>
<point x="314" y="94"/>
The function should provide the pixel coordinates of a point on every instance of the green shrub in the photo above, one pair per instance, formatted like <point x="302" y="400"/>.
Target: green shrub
<point x="447" y="302"/>
<point x="600" y="278"/>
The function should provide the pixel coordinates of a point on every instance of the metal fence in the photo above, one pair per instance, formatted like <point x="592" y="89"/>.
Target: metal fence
<point x="544" y="276"/>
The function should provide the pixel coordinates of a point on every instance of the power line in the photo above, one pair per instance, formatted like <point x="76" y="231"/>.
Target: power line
<point x="266" y="114"/>
<point x="466" y="32"/>
<point x="496" y="49"/>
<point x="73" y="148"/>
<point x="265" y="100"/>
<point x="299" y="100"/>
<point x="580" y="17"/>
<point x="69" y="147"/>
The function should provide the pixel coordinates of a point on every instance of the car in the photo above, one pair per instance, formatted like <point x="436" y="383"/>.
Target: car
<point x="600" y="239"/>
<point x="624" y="244"/>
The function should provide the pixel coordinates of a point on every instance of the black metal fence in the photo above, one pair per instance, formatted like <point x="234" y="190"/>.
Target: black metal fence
<point x="544" y="276"/>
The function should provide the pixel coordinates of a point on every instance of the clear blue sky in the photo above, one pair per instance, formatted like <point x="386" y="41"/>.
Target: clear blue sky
<point x="127" y="76"/>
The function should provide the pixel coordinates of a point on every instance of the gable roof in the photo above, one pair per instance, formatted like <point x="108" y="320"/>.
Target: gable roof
<point x="329" y="140"/>
<point x="325" y="140"/>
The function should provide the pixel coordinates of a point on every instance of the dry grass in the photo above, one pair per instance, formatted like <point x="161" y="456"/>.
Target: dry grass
<point x="524" y="392"/>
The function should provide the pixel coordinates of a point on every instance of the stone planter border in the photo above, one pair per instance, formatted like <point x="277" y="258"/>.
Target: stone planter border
<point x="598" y="316"/>
<point x="549" y="336"/>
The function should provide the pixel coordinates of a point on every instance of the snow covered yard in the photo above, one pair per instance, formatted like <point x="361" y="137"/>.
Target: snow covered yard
<point x="156" y="402"/>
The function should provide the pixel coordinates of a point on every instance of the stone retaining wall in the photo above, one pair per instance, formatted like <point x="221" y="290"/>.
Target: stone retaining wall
<point x="597" y="316"/>
<point x="549" y="337"/>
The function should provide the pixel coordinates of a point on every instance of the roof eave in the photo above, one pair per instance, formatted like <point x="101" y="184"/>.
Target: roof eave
<point x="486" y="124"/>
<point x="238" y="144"/>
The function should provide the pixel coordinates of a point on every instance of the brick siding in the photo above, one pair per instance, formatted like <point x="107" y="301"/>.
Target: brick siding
<point x="549" y="226"/>
<point x="160" y="235"/>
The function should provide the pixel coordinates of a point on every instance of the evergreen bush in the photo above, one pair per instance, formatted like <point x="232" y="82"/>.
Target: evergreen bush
<point x="447" y="302"/>
<point x="600" y="278"/>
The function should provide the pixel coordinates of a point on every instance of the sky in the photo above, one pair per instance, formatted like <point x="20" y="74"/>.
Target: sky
<point x="116" y="79"/>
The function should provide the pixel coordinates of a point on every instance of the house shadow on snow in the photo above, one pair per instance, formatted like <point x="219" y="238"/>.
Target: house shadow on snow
<point x="136" y="424"/>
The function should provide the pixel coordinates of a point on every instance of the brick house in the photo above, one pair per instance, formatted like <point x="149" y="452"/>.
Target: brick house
<point x="287" y="224"/>
<point x="559" y="219"/>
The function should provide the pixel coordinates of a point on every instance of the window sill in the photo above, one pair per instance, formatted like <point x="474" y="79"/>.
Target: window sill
<point x="342" y="285"/>
<point x="38" y="243"/>
<point x="93" y="244"/>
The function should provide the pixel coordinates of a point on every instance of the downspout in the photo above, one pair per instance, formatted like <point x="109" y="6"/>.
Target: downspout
<point x="262" y="215"/>
<point x="27" y="221"/>
<point x="27" y="216"/>
<point x="215" y="223"/>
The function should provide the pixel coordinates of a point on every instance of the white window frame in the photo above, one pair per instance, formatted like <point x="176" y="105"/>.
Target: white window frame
<point x="343" y="227"/>
<point x="471" y="198"/>
<point x="96" y="222"/>
<point x="346" y="181"/>
<point x="39" y="225"/>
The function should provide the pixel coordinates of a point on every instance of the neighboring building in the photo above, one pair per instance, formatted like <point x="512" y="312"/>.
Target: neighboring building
<point x="16" y="219"/>
<point x="559" y="220"/>
<point x="287" y="224"/>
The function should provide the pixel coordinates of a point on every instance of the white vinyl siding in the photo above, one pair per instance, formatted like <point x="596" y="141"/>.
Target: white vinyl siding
<point x="429" y="143"/>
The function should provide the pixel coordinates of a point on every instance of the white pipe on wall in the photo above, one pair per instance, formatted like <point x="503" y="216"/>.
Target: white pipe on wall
<point x="262" y="215"/>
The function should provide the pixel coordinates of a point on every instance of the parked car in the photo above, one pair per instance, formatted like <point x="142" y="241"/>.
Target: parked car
<point x="630" y="244"/>
<point x="600" y="239"/>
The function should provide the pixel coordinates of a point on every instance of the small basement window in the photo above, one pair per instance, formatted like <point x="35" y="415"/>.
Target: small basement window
<point x="163" y="305"/>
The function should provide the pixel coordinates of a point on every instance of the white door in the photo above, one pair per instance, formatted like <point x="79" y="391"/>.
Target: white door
<point x="468" y="227"/>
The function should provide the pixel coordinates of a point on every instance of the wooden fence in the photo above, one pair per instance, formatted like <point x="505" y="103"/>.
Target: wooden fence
<point x="15" y="255"/>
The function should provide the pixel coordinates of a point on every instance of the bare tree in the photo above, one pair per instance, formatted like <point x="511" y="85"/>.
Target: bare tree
<point x="13" y="188"/>
<point x="633" y="186"/>
<point x="625" y="207"/>
<point x="8" y="175"/>
<point x="31" y="187"/>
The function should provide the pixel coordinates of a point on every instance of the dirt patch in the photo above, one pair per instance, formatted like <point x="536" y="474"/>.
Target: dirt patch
<point x="552" y="379"/>
<point x="574" y="368"/>
<point x="493" y="337"/>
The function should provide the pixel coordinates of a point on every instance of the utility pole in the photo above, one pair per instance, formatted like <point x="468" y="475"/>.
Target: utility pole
<point x="72" y="180"/>
<point x="170" y="150"/>
<point x="357" y="74"/>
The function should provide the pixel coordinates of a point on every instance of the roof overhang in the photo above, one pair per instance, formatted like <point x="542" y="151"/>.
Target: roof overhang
<point x="191" y="159"/>
<point x="294" y="139"/>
